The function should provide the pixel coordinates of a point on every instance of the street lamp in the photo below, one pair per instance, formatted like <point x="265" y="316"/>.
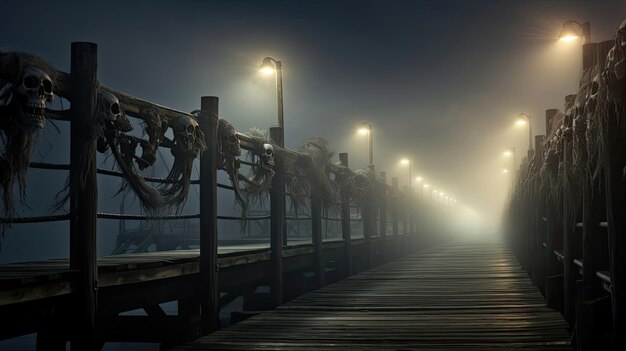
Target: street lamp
<point x="272" y="66"/>
<point x="366" y="129"/>
<point x="573" y="30"/>
<point x="522" y="119"/>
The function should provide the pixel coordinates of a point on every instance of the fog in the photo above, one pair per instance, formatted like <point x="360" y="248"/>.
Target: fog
<point x="440" y="81"/>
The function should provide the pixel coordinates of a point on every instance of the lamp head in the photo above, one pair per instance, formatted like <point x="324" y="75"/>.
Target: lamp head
<point x="405" y="161"/>
<point x="363" y="131"/>
<point x="571" y="31"/>
<point x="267" y="67"/>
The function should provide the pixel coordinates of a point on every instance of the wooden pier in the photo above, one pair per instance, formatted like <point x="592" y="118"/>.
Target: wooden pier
<point x="458" y="296"/>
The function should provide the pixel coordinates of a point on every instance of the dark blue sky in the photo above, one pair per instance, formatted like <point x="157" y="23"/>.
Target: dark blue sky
<point x="440" y="81"/>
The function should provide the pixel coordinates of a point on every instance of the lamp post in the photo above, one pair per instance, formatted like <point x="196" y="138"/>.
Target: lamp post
<point x="419" y="181"/>
<point x="273" y="66"/>
<point x="407" y="162"/>
<point x="572" y="30"/>
<point x="523" y="118"/>
<point x="367" y="129"/>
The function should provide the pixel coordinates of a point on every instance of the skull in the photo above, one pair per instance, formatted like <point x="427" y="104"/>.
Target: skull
<point x="33" y="89"/>
<point x="109" y="112"/>
<point x="186" y="130"/>
<point x="267" y="156"/>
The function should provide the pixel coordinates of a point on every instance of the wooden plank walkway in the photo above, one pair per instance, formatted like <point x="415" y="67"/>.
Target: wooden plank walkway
<point x="460" y="296"/>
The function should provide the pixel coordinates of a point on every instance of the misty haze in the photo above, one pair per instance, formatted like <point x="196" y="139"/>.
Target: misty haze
<point x="312" y="175"/>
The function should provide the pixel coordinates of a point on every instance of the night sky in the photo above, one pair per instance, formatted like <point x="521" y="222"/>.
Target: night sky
<point x="441" y="81"/>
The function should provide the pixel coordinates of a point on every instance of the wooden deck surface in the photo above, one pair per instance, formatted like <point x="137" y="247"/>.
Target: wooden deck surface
<point x="461" y="296"/>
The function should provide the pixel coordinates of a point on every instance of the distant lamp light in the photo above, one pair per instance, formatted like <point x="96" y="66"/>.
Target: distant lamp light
<point x="404" y="161"/>
<point x="426" y="186"/>
<point x="505" y="171"/>
<point x="418" y="179"/>
<point x="508" y="153"/>
<point x="520" y="122"/>
<point x="363" y="131"/>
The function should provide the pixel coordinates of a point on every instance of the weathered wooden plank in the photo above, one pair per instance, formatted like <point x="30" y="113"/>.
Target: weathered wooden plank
<point x="452" y="297"/>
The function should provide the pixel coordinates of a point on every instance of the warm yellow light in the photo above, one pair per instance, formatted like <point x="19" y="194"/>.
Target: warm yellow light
<point x="505" y="171"/>
<point x="568" y="38"/>
<point x="363" y="131"/>
<point x="266" y="70"/>
<point x="426" y="185"/>
<point x="405" y="161"/>
<point x="520" y="122"/>
<point x="508" y="153"/>
<point x="418" y="179"/>
<point x="435" y="191"/>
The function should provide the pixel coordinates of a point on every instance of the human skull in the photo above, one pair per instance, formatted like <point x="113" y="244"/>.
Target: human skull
<point x="33" y="90"/>
<point x="267" y="156"/>
<point x="110" y="114"/>
<point x="186" y="130"/>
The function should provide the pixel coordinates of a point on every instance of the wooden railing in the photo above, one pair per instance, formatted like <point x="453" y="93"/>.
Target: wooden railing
<point x="567" y="215"/>
<point x="85" y="316"/>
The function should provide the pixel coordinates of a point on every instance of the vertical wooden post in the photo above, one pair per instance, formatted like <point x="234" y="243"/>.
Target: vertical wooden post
<point x="406" y="226"/>
<point x="345" y="221"/>
<point x="369" y="225"/>
<point x="570" y="271"/>
<point x="84" y="194"/>
<point x="277" y="223"/>
<point x="540" y="226"/>
<point x="209" y="290"/>
<point x="383" y="205"/>
<point x="316" y="228"/>
<point x="383" y="216"/>
<point x="614" y="160"/>
<point x="395" y="208"/>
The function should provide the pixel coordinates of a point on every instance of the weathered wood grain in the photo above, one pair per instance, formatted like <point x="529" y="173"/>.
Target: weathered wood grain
<point x="462" y="296"/>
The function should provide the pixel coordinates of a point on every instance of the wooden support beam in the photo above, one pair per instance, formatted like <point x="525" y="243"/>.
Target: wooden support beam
<point x="345" y="222"/>
<point x="277" y="223"/>
<point x="316" y="228"/>
<point x="383" y="206"/>
<point x="84" y="194"/>
<point x="539" y="229"/>
<point x="395" y="207"/>
<point x="614" y="161"/>
<point x="209" y="291"/>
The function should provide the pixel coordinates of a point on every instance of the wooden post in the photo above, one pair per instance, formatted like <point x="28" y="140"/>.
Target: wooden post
<point x="345" y="222"/>
<point x="369" y="225"/>
<point x="595" y="246"/>
<point x="395" y="208"/>
<point x="383" y="216"/>
<point x="614" y="160"/>
<point x="277" y="223"/>
<point x="540" y="226"/>
<point x="84" y="195"/>
<point x="568" y="226"/>
<point x="383" y="205"/>
<point x="406" y="213"/>
<point x="316" y="228"/>
<point x="209" y="290"/>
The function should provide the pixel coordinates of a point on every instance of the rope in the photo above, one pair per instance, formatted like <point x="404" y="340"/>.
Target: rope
<point x="133" y="217"/>
<point x="36" y="219"/>
<point x="45" y="165"/>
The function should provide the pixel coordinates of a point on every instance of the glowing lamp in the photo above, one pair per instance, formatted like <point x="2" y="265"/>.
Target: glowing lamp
<point x="405" y="161"/>
<point x="267" y="67"/>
